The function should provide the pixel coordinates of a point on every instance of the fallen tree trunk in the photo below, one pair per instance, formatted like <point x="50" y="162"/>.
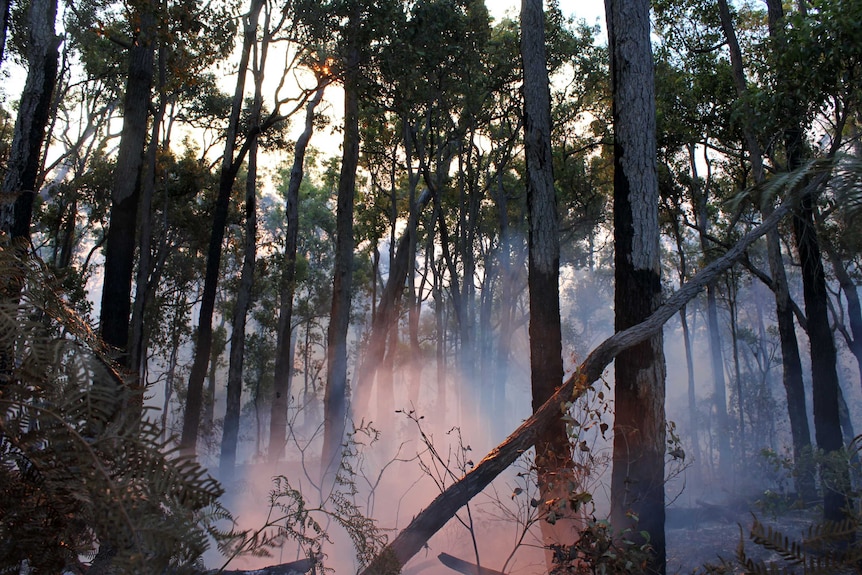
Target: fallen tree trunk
<point x="443" y="508"/>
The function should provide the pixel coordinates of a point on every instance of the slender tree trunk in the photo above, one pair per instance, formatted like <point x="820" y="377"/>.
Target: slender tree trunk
<point x="790" y="359"/>
<point x="22" y="168"/>
<point x="387" y="311"/>
<point x="553" y="449"/>
<point x="5" y="13"/>
<point x="824" y="374"/>
<point x="507" y="304"/>
<point x="692" y="397"/>
<point x="287" y="288"/>
<point x="229" y="169"/>
<point x="143" y="280"/>
<point x="740" y="403"/>
<point x="120" y="244"/>
<point x="335" y="395"/>
<point x="243" y="302"/>
<point x="637" y="478"/>
<point x="854" y="308"/>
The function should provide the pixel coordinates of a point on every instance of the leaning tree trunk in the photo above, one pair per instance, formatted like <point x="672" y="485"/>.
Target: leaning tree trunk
<point x="431" y="519"/>
<point x="22" y="168"/>
<point x="287" y="287"/>
<point x="120" y="245"/>
<point x="637" y="478"/>
<point x="335" y="395"/>
<point x="553" y="449"/>
<point x="229" y="169"/>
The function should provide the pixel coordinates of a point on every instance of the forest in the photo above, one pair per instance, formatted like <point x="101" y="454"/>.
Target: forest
<point x="405" y="286"/>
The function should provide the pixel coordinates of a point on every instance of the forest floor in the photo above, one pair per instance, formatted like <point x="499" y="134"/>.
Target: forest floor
<point x="702" y="536"/>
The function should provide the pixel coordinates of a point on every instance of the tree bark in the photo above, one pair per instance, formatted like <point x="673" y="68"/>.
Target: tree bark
<point x="431" y="519"/>
<point x="144" y="284"/>
<point x="22" y="169"/>
<point x="790" y="359"/>
<point x="120" y="245"/>
<point x="287" y="288"/>
<point x="229" y="169"/>
<point x="553" y="449"/>
<point x="637" y="478"/>
<point x="335" y="395"/>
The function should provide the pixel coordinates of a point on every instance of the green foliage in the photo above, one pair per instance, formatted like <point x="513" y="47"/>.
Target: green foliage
<point x="79" y="471"/>
<point x="599" y="550"/>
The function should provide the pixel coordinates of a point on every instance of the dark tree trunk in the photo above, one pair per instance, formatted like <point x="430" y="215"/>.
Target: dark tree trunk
<point x="5" y="13"/>
<point x="233" y="399"/>
<point x="22" y="169"/>
<point x="553" y="449"/>
<point x="335" y="395"/>
<point x="824" y="375"/>
<point x="637" y="478"/>
<point x="790" y="359"/>
<point x="230" y="167"/>
<point x="854" y="308"/>
<point x="287" y="287"/>
<point x="120" y="244"/>
<point x="144" y="285"/>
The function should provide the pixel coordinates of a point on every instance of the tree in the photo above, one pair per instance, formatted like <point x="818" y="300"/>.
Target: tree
<point x="34" y="109"/>
<point x="229" y="169"/>
<point x="287" y="288"/>
<point x="791" y="361"/>
<point x="120" y="244"/>
<point x="335" y="398"/>
<point x="553" y="450"/>
<point x="637" y="481"/>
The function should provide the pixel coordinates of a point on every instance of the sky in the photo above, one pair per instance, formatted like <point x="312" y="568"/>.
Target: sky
<point x="589" y="10"/>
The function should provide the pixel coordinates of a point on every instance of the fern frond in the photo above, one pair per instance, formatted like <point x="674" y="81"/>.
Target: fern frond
<point x="78" y="472"/>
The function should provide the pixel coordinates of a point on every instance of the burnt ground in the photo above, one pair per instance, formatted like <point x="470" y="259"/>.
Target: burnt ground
<point x="709" y="533"/>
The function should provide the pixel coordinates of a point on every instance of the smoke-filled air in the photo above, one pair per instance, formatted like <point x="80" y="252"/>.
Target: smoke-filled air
<point x="430" y="287"/>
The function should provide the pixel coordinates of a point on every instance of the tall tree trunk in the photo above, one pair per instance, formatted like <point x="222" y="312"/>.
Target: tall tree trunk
<point x="120" y="245"/>
<point x="553" y="449"/>
<point x="686" y="335"/>
<point x="143" y="281"/>
<point x="824" y="374"/>
<point x="22" y="169"/>
<point x="233" y="399"/>
<point x="791" y="362"/>
<point x="637" y="478"/>
<point x="230" y="167"/>
<point x="387" y="310"/>
<point x="287" y="288"/>
<point x="5" y="13"/>
<point x="335" y="395"/>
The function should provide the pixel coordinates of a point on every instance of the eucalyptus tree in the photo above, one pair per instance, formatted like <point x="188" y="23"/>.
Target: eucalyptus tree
<point x="803" y="95"/>
<point x="239" y="139"/>
<point x="637" y="479"/>
<point x="287" y="284"/>
<point x="115" y="304"/>
<point x="25" y="158"/>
